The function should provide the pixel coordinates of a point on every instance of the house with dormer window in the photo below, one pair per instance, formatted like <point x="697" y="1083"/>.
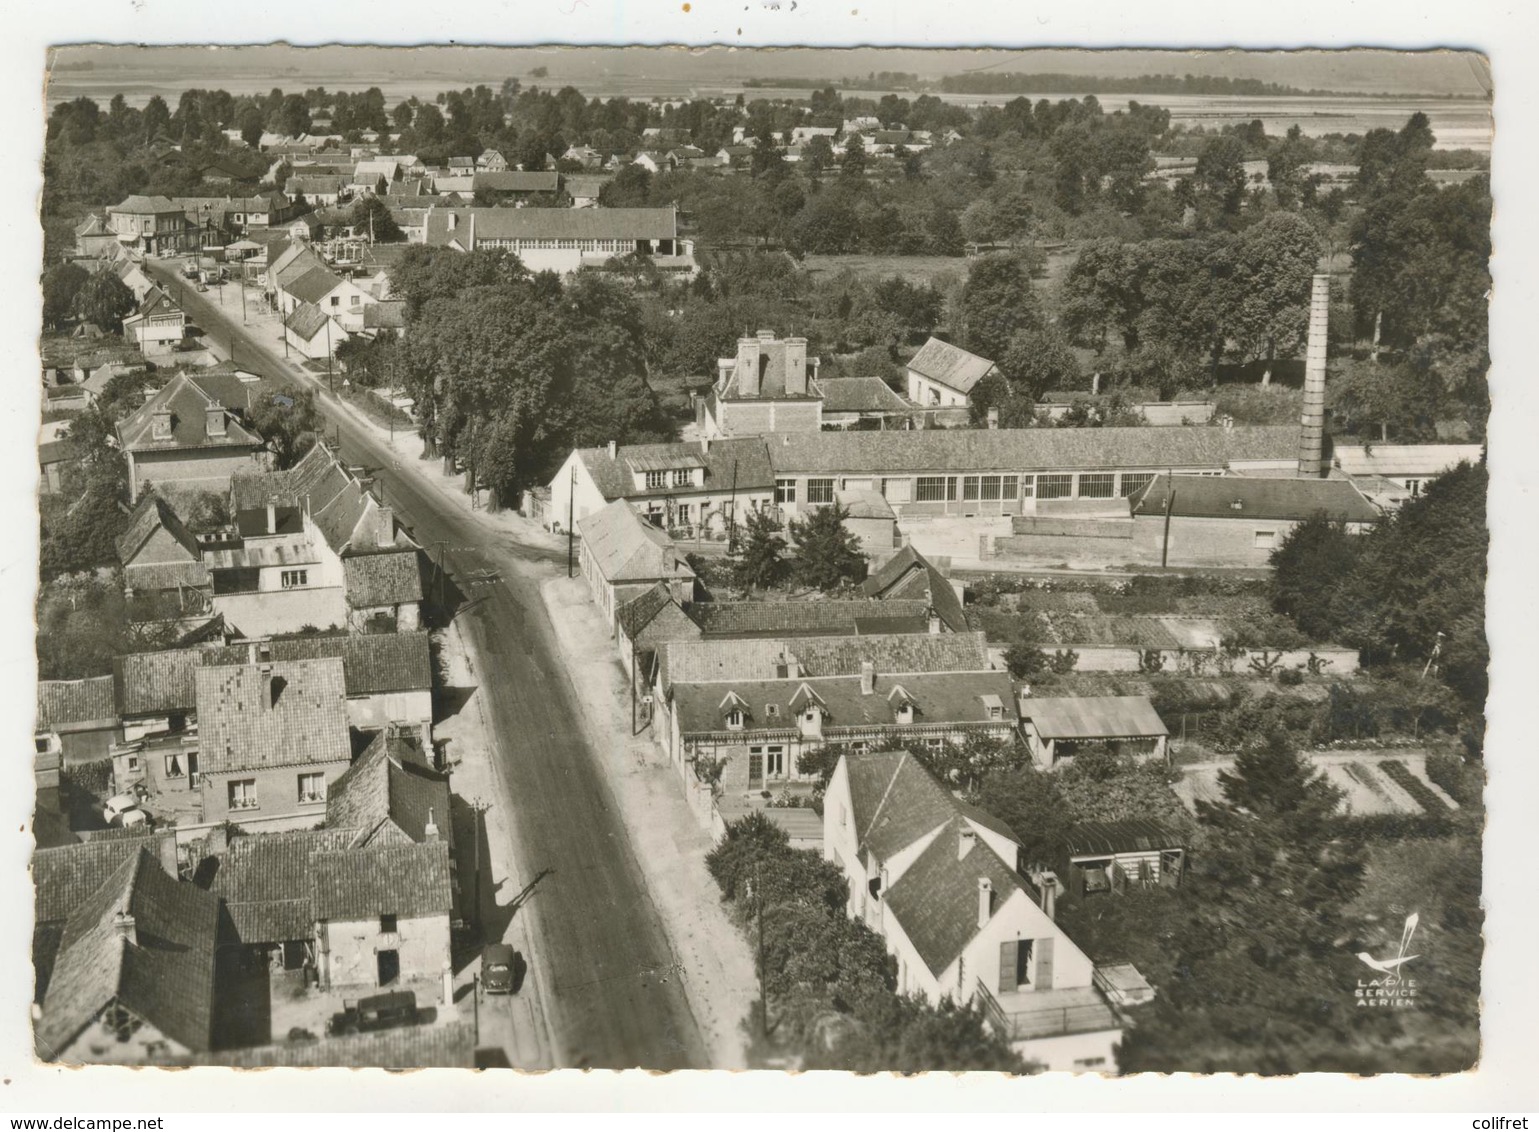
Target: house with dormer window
<point x="939" y="881"/>
<point x="681" y="488"/>
<point x="760" y="727"/>
<point x="182" y="438"/>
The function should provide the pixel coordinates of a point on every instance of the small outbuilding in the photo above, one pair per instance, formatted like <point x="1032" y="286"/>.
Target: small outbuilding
<point x="1105" y="857"/>
<point x="1059" y="727"/>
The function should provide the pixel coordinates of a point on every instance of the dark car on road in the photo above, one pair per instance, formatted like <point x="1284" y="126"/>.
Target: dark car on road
<point x="381" y="1012"/>
<point x="498" y="968"/>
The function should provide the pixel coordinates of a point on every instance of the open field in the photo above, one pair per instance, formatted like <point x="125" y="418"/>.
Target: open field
<point x="911" y="268"/>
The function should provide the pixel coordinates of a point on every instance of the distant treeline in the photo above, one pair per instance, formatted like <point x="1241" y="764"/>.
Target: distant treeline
<point x="1020" y="82"/>
<point x="1017" y="82"/>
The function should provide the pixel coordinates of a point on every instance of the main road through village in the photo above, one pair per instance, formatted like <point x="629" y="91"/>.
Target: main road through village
<point x="605" y="953"/>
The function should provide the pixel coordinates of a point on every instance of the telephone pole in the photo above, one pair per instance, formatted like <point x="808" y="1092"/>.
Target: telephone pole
<point x="571" y="508"/>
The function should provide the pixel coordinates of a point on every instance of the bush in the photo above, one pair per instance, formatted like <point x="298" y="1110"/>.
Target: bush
<point x="1415" y="787"/>
<point x="1290" y="677"/>
<point x="1457" y="778"/>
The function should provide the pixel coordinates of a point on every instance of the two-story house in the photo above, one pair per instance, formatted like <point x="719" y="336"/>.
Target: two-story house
<point x="155" y="225"/>
<point x="133" y="980"/>
<point x="937" y="879"/>
<point x="182" y="439"/>
<point x="767" y="387"/>
<point x="272" y="737"/>
<point x="679" y="487"/>
<point x="157" y="326"/>
<point x="624" y="556"/>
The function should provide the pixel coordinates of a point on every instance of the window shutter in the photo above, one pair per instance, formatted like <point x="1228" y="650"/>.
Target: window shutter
<point x="1007" y="966"/>
<point x="1045" y="963"/>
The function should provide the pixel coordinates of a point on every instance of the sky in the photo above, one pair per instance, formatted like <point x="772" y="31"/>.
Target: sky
<point x="1366" y="71"/>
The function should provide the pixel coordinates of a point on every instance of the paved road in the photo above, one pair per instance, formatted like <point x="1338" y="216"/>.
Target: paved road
<point x="618" y="1002"/>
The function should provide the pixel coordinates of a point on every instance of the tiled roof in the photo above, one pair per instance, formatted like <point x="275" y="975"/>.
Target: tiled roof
<point x="936" y="899"/>
<point x="305" y="184"/>
<point x="1027" y="449"/>
<point x="802" y="618"/>
<point x="938" y="697"/>
<point x="63" y="702"/>
<point x="626" y="548"/>
<point x="894" y="801"/>
<point x="909" y="574"/>
<point x="372" y="662"/>
<point x="449" y="1046"/>
<point x="400" y="880"/>
<point x="1092" y="717"/>
<point x="586" y="185"/>
<point x="770" y="380"/>
<point x="552" y="224"/>
<point x="264" y="881"/>
<point x="390" y="578"/>
<point x="66" y="876"/>
<point x="151" y="514"/>
<point x="146" y="206"/>
<point x="636" y="614"/>
<point x="1254" y="497"/>
<point x="151" y="683"/>
<point x="1131" y="835"/>
<point x="166" y="977"/>
<point x="249" y="719"/>
<point x="188" y="406"/>
<point x="1403" y="459"/>
<point x="859" y="395"/>
<point x="765" y="659"/>
<point x="314" y="285"/>
<point x="747" y="455"/>
<point x="390" y="794"/>
<point x="514" y="181"/>
<point x="950" y="365"/>
<point x="307" y="321"/>
<point x="386" y="315"/>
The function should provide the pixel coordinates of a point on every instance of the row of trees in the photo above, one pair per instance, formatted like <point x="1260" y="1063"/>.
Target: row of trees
<point x="1411" y="592"/>
<point x="830" y="998"/>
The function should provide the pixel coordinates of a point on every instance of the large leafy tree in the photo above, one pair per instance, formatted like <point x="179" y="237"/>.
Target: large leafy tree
<point x="1275" y="261"/>
<point x="997" y="301"/>
<point x="61" y="285"/>
<point x="105" y="300"/>
<point x="827" y="554"/>
<point x="761" y="551"/>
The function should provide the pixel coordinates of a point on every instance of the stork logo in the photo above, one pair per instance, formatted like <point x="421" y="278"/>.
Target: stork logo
<point x="1390" y="987"/>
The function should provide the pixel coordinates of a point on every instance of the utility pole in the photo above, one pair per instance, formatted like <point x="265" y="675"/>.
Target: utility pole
<point x="571" y="509"/>
<point x="732" y="513"/>
<point x="633" y="685"/>
<point x="1170" y="499"/>
<point x="331" y="384"/>
<point x="758" y="891"/>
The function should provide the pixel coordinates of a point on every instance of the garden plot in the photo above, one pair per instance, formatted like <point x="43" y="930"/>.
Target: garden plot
<point x="1371" y="782"/>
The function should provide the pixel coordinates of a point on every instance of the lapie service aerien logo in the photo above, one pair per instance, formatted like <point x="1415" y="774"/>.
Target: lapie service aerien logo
<point x="1390" y="987"/>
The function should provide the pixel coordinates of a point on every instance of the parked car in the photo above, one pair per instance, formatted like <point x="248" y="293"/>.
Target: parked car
<point x="497" y="968"/>
<point x="123" y="810"/>
<point x="379" y="1012"/>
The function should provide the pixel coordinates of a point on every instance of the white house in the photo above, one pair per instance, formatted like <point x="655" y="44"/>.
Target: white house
<point x="942" y="376"/>
<point x="937" y="880"/>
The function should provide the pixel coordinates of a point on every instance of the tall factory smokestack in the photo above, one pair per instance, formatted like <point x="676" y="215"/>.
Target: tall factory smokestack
<point x="1312" y="426"/>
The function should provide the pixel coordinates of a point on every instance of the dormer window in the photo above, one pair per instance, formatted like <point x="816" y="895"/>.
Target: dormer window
<point x="772" y="711"/>
<point x="656" y="480"/>
<point x="735" y="719"/>
<point x="994" y="708"/>
<point x="683" y="477"/>
<point x="905" y="712"/>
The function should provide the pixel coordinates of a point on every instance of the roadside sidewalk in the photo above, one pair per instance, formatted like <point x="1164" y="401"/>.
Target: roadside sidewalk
<point x="714" y="959"/>
<point x="518" y="1024"/>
